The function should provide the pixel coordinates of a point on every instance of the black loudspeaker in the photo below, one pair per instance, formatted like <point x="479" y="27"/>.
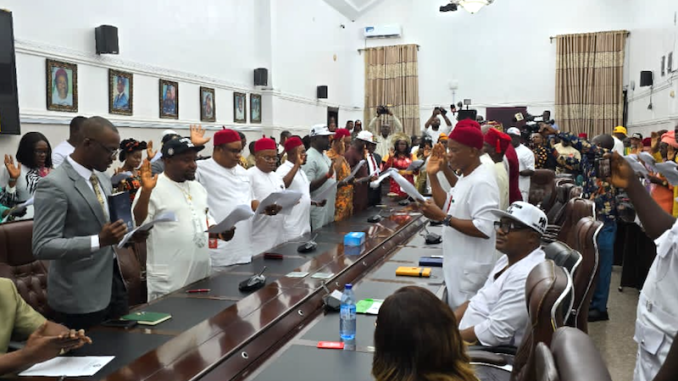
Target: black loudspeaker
<point x="645" y="78"/>
<point x="9" y="100"/>
<point x="107" y="39"/>
<point x="261" y="77"/>
<point x="322" y="92"/>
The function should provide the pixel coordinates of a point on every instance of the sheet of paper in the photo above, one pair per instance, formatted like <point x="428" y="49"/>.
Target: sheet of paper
<point x="668" y="169"/>
<point x="355" y="170"/>
<point x="648" y="160"/>
<point x="240" y="213"/>
<point x="68" y="366"/>
<point x="322" y="275"/>
<point x="160" y="218"/>
<point x="636" y="165"/>
<point x="325" y="192"/>
<point x="28" y="202"/>
<point x="288" y="200"/>
<point x="416" y="165"/>
<point x="375" y="184"/>
<point x="297" y="274"/>
<point x="407" y="187"/>
<point x="369" y="306"/>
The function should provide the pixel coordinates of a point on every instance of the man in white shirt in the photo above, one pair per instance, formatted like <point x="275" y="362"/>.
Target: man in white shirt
<point x="228" y="186"/>
<point x="468" y="232"/>
<point x="177" y="252"/>
<point x="565" y="151"/>
<point x="433" y="128"/>
<point x="494" y="147"/>
<point x="298" y="221"/>
<point x="373" y="167"/>
<point x="320" y="172"/>
<point x="525" y="161"/>
<point x="267" y="231"/>
<point x="497" y="315"/>
<point x="619" y="134"/>
<point x="66" y="148"/>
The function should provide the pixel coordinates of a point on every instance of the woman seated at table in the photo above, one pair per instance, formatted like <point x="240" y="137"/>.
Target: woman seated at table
<point x="417" y="338"/>
<point x="400" y="158"/>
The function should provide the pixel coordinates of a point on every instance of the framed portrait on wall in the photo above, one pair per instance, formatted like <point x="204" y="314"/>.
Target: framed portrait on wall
<point x="169" y="99"/>
<point x="208" y="112"/>
<point x="62" y="86"/>
<point x="255" y="108"/>
<point x="240" y="107"/>
<point x="120" y="92"/>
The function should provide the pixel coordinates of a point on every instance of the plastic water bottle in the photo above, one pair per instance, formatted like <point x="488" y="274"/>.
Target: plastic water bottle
<point x="347" y="322"/>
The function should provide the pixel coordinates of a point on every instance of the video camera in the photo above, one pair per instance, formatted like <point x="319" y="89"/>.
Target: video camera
<point x="443" y="112"/>
<point x="382" y="110"/>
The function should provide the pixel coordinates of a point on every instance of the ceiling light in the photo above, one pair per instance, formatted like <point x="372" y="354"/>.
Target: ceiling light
<point x="473" y="6"/>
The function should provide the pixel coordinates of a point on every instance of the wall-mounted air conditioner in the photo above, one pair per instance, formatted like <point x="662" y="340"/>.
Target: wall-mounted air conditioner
<point x="382" y="31"/>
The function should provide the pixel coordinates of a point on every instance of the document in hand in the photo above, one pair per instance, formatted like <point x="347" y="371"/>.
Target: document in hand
<point x="28" y="202"/>
<point x="636" y="165"/>
<point x="163" y="217"/>
<point x="375" y="184"/>
<point x="415" y="165"/>
<point x="648" y="160"/>
<point x="355" y="170"/>
<point x="407" y="187"/>
<point x="670" y="170"/>
<point x="325" y="192"/>
<point x="240" y="213"/>
<point x="68" y="367"/>
<point x="287" y="199"/>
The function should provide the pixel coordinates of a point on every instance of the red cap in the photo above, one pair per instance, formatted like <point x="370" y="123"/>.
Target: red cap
<point x="468" y="135"/>
<point x="497" y="139"/>
<point x="226" y="136"/>
<point x="341" y="133"/>
<point x="292" y="143"/>
<point x="647" y="142"/>
<point x="468" y="123"/>
<point x="583" y="135"/>
<point x="264" y="144"/>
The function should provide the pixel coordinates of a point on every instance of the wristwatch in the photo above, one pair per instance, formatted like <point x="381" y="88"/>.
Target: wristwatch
<point x="446" y="221"/>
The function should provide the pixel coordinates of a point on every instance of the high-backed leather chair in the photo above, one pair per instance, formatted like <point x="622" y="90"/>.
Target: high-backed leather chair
<point x="576" y="192"/>
<point x="585" y="241"/>
<point x="563" y="256"/>
<point x="543" y="188"/>
<point x="574" y="356"/>
<point x="132" y="261"/>
<point x="18" y="264"/>
<point x="556" y="215"/>
<point x="576" y="209"/>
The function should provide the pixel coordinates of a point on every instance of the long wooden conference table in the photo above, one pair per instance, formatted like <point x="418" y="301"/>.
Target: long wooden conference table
<point x="272" y="333"/>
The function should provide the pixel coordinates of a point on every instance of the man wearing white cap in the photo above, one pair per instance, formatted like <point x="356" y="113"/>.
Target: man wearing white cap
<point x="354" y="155"/>
<point x="374" y="169"/>
<point x="525" y="162"/>
<point x="320" y="172"/>
<point x="497" y="314"/>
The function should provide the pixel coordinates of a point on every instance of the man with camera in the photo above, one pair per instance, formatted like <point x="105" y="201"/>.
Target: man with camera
<point x="385" y="130"/>
<point x="432" y="126"/>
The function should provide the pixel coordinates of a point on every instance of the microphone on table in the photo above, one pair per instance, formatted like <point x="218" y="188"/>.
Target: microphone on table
<point x="431" y="238"/>
<point x="254" y="282"/>
<point x="308" y="246"/>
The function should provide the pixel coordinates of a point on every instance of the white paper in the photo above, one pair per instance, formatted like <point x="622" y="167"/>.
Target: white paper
<point x="375" y="184"/>
<point x="322" y="275"/>
<point x="163" y="217"/>
<point x="407" y="187"/>
<point x="635" y="164"/>
<point x="68" y="367"/>
<point x="648" y="160"/>
<point x="416" y="165"/>
<point x="240" y="213"/>
<point x="668" y="170"/>
<point x="374" y="308"/>
<point x="297" y="274"/>
<point x="320" y="197"/>
<point x="287" y="199"/>
<point x="28" y="202"/>
<point x="355" y="170"/>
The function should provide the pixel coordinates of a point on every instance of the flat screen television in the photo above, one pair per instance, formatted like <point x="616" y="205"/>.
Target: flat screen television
<point x="9" y="99"/>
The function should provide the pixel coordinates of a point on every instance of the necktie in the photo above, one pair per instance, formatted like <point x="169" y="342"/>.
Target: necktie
<point x="374" y="165"/>
<point x="94" y="180"/>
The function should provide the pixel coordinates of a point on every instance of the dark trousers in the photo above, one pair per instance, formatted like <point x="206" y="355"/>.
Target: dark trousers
<point x="606" y="239"/>
<point x="117" y="307"/>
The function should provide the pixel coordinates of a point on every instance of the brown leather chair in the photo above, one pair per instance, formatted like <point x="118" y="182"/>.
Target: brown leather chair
<point x="18" y="264"/>
<point x="132" y="261"/>
<point x="576" y="209"/>
<point x="576" y="192"/>
<point x="556" y="215"/>
<point x="543" y="188"/>
<point x="574" y="356"/>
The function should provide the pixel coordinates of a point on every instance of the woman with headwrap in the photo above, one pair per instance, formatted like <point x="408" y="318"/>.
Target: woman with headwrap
<point x="400" y="158"/>
<point x="423" y="153"/>
<point x="127" y="177"/>
<point x="343" y="207"/>
<point x="61" y="94"/>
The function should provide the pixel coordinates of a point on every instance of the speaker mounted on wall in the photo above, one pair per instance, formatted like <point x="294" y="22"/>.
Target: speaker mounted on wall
<point x="322" y="92"/>
<point x="106" y="39"/>
<point x="646" y="78"/>
<point x="261" y="77"/>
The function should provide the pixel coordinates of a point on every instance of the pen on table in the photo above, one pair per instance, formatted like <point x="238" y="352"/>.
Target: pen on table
<point x="198" y="290"/>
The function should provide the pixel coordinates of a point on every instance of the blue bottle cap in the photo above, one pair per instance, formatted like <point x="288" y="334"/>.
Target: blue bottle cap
<point x="348" y="286"/>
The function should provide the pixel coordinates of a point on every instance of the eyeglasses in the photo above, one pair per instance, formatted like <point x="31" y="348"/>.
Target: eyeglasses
<point x="508" y="226"/>
<point x="111" y="151"/>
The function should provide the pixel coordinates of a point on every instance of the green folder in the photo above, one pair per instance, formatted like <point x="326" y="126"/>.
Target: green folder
<point x="147" y="318"/>
<point x="368" y="306"/>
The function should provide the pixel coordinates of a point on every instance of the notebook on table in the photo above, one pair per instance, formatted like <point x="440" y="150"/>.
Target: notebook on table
<point x="148" y="318"/>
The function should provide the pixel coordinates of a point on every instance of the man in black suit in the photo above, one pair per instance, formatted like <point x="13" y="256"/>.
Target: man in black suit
<point x="374" y="167"/>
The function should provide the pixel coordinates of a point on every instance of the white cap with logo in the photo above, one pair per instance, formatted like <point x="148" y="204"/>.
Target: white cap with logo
<point x="525" y="213"/>
<point x="320" y="130"/>
<point x="366" y="136"/>
<point x="513" y="131"/>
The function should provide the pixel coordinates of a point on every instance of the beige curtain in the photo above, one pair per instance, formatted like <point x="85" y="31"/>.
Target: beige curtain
<point x="392" y="79"/>
<point x="589" y="75"/>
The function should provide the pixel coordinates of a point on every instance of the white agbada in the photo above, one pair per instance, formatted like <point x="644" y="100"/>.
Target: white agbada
<point x="467" y="261"/>
<point x="435" y="135"/>
<point x="61" y="152"/>
<point x="177" y="253"/>
<point x="317" y="165"/>
<point x="498" y="311"/>
<point x="267" y="231"/>
<point x="298" y="222"/>
<point x="501" y="176"/>
<point x="228" y="188"/>
<point x="526" y="162"/>
<point x="657" y="313"/>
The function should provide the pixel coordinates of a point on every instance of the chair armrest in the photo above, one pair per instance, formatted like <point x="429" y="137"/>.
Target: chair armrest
<point x="487" y="358"/>
<point x="499" y="349"/>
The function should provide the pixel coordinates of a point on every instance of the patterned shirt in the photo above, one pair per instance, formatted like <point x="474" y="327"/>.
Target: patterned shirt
<point x="602" y="193"/>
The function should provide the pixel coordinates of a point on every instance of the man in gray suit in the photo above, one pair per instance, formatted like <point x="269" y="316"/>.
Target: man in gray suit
<point x="73" y="231"/>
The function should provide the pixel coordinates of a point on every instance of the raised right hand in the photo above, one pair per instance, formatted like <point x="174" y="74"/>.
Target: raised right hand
<point x="148" y="181"/>
<point x="436" y="160"/>
<point x="14" y="171"/>
<point x="112" y="233"/>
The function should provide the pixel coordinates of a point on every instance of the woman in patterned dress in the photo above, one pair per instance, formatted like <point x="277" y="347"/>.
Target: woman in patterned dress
<point x="343" y="208"/>
<point x="400" y="158"/>
<point x="127" y="177"/>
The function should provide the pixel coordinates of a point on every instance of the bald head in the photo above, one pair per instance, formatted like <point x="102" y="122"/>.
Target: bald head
<point x="96" y="126"/>
<point x="605" y="141"/>
<point x="99" y="145"/>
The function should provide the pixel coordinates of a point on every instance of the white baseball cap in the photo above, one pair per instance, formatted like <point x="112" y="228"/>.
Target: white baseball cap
<point x="366" y="136"/>
<point x="525" y="213"/>
<point x="169" y="132"/>
<point x="320" y="130"/>
<point x="513" y="131"/>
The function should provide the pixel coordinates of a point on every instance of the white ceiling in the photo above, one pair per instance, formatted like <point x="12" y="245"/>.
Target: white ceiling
<point x="353" y="9"/>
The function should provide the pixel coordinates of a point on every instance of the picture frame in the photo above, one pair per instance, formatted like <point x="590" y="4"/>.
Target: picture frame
<point x="239" y="107"/>
<point x="255" y="108"/>
<point x="208" y="111"/>
<point x="168" y="97"/>
<point x="120" y="92"/>
<point x="61" y="86"/>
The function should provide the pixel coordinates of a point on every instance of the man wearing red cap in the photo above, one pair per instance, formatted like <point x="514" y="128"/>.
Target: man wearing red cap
<point x="266" y="230"/>
<point x="228" y="186"/>
<point x="468" y="231"/>
<point x="495" y="145"/>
